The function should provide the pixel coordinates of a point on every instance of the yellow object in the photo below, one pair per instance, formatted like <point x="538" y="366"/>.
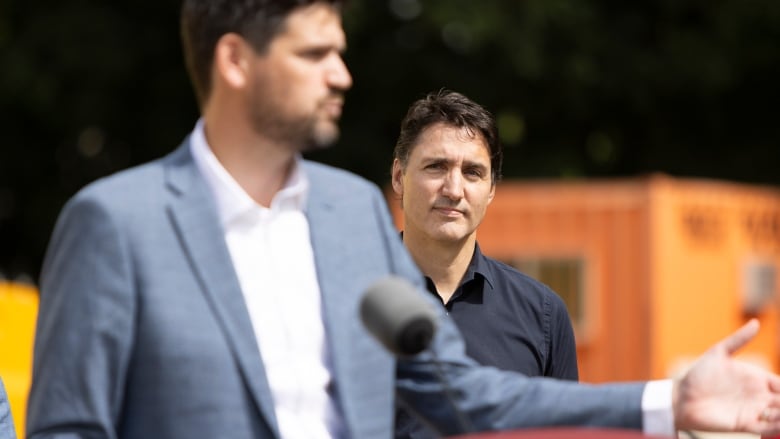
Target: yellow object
<point x="18" y="311"/>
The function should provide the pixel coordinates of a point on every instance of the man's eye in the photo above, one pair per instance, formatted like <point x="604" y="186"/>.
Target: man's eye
<point x="315" y="54"/>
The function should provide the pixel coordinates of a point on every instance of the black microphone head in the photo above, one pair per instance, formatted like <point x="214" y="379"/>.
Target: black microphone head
<point x="397" y="315"/>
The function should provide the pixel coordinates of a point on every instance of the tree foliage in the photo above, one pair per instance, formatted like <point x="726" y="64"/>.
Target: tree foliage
<point x="580" y="89"/>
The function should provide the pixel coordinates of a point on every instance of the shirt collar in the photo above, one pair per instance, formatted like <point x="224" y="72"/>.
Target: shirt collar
<point x="478" y="266"/>
<point x="232" y="200"/>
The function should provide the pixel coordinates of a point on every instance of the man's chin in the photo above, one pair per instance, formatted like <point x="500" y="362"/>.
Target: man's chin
<point x="323" y="137"/>
<point x="449" y="235"/>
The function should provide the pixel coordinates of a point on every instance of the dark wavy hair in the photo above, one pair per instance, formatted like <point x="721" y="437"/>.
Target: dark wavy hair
<point x="454" y="109"/>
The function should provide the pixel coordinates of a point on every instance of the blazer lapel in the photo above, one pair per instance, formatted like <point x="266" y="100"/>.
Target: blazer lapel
<point x="193" y="212"/>
<point x="361" y="371"/>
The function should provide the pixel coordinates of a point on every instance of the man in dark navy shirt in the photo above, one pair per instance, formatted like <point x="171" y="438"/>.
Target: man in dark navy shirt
<point x="447" y="162"/>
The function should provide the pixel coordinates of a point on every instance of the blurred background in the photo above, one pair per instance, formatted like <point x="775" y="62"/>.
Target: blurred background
<point x="661" y="113"/>
<point x="580" y="88"/>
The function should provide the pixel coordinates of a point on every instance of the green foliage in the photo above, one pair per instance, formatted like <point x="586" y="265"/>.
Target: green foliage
<point x="598" y="88"/>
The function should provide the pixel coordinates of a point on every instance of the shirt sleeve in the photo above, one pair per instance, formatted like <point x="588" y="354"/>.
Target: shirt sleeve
<point x="562" y="363"/>
<point x="657" y="414"/>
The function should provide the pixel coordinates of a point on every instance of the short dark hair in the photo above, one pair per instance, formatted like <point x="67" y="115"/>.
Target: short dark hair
<point x="204" y="22"/>
<point x="453" y="109"/>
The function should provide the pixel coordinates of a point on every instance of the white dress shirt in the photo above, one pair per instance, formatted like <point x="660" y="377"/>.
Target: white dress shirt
<point x="271" y="251"/>
<point x="657" y="414"/>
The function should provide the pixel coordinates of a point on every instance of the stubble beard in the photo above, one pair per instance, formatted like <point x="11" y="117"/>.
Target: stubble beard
<point x="302" y="134"/>
<point x="322" y="134"/>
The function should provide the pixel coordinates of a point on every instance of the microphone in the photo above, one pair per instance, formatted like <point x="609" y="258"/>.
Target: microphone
<point x="404" y="322"/>
<point x="395" y="314"/>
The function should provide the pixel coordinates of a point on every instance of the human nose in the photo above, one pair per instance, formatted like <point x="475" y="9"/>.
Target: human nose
<point x="452" y="187"/>
<point x="338" y="75"/>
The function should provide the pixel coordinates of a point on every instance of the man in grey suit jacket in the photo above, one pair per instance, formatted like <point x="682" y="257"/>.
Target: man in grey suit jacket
<point x="214" y="292"/>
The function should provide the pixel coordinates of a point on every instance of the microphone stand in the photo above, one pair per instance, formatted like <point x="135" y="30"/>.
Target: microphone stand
<point x="463" y="422"/>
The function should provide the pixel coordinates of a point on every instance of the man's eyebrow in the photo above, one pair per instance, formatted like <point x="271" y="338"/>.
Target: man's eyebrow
<point x="474" y="164"/>
<point x="435" y="159"/>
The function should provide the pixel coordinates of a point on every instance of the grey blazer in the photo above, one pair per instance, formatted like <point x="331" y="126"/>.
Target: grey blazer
<point x="143" y="331"/>
<point x="7" y="429"/>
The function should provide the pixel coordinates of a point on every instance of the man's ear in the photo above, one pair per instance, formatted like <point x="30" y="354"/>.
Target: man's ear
<point x="232" y="60"/>
<point x="397" y="178"/>
<point x="492" y="193"/>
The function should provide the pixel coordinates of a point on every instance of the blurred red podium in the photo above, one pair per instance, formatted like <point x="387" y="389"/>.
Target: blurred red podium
<point x="564" y="432"/>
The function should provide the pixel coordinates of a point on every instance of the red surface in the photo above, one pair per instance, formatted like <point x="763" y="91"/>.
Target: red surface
<point x="550" y="433"/>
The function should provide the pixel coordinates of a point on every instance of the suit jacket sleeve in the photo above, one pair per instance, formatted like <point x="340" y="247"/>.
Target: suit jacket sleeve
<point x="6" y="420"/>
<point x="84" y="327"/>
<point x="442" y="383"/>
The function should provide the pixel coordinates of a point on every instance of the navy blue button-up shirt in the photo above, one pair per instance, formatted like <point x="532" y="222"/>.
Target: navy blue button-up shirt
<point x="508" y="320"/>
<point x="512" y="321"/>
